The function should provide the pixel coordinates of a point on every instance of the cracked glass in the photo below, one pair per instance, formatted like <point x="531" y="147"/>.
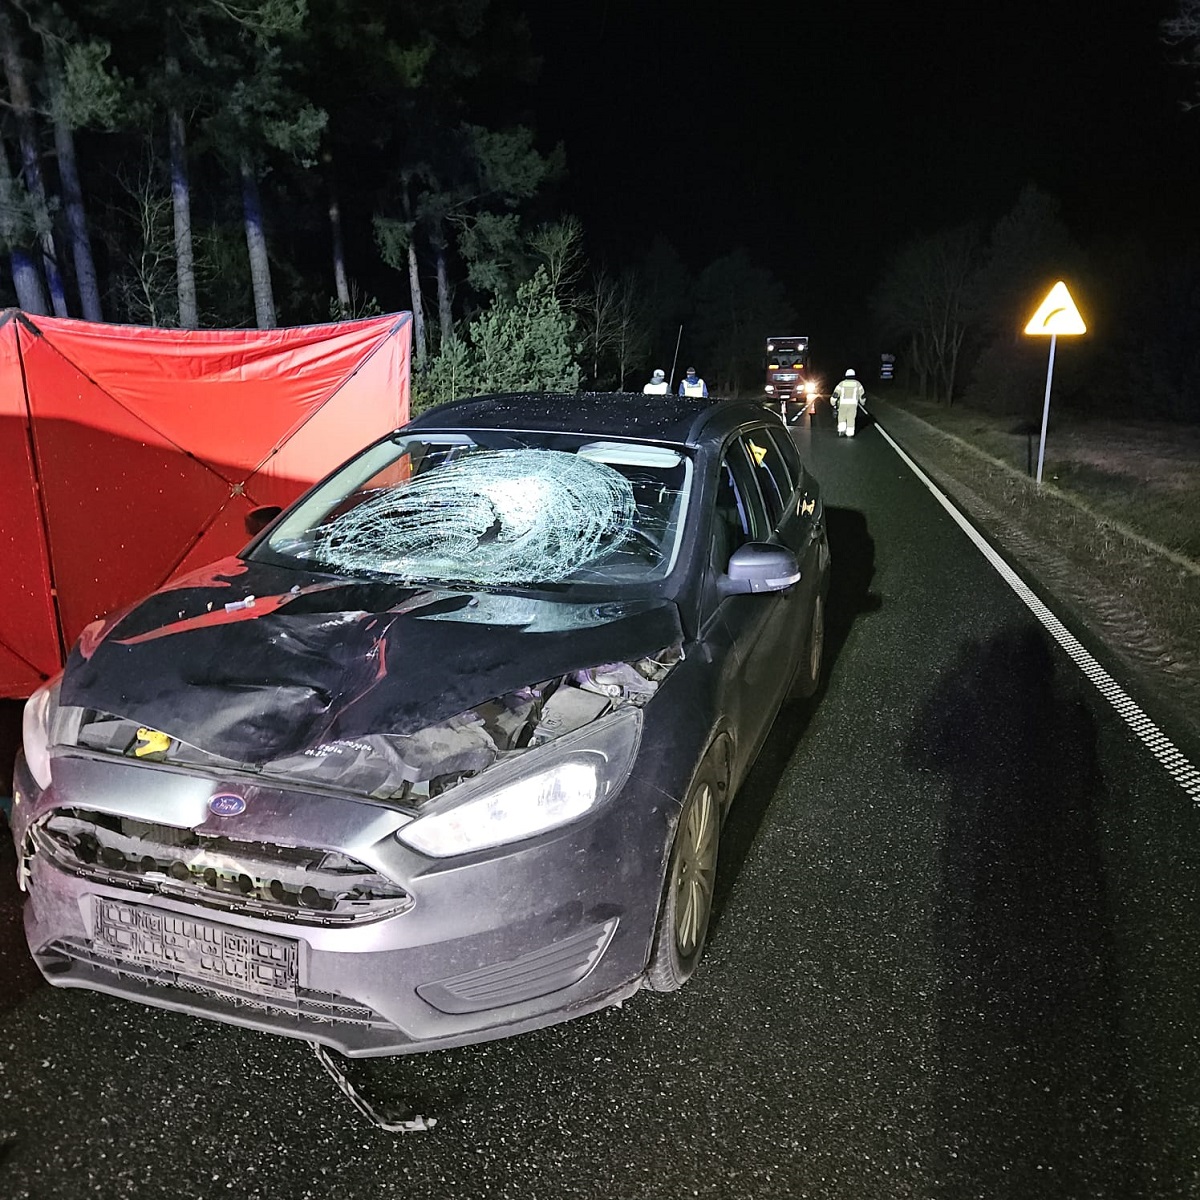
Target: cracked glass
<point x="489" y="508"/>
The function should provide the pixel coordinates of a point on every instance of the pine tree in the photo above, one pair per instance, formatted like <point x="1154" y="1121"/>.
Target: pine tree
<point x="20" y="96"/>
<point x="525" y="344"/>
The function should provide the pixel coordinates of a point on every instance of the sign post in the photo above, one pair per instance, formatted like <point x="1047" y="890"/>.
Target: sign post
<point x="1056" y="314"/>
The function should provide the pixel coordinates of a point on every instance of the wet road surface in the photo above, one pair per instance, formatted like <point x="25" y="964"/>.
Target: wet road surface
<point x="956" y="955"/>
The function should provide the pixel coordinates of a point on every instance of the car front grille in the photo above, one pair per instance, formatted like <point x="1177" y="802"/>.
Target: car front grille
<point x="296" y="884"/>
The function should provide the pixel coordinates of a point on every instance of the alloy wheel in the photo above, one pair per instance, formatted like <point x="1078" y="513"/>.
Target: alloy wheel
<point x="816" y="641"/>
<point x="696" y="872"/>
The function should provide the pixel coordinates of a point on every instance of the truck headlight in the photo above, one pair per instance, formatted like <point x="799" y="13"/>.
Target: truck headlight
<point x="770" y="387"/>
<point x="535" y="792"/>
<point x="36" y="724"/>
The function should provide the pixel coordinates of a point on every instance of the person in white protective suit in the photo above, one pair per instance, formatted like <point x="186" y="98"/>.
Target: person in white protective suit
<point x="658" y="385"/>
<point x="847" y="398"/>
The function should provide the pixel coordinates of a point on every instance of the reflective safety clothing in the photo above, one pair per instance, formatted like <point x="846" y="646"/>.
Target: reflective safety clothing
<point x="657" y="389"/>
<point x="693" y="387"/>
<point x="846" y="399"/>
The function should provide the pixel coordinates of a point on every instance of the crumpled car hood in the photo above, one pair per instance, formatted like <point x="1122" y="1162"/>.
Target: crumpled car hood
<point x="252" y="662"/>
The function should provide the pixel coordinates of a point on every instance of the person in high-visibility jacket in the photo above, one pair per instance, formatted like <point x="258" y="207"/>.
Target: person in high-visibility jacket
<point x="846" y="399"/>
<point x="658" y="385"/>
<point x="692" y="385"/>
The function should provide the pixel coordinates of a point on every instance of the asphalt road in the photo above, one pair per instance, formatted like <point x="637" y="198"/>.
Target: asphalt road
<point x="956" y="955"/>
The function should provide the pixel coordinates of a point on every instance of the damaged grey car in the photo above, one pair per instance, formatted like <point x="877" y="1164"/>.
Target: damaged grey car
<point x="443" y="754"/>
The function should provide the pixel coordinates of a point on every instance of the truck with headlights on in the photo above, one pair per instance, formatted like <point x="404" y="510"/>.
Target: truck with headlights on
<point x="789" y="382"/>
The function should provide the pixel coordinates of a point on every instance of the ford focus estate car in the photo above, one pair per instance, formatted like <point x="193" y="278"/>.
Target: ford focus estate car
<point x="443" y="754"/>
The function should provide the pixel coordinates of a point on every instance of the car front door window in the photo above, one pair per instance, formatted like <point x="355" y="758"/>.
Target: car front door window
<point x="738" y="515"/>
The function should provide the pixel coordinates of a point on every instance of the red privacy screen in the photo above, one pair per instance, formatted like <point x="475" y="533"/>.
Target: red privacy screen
<point x="129" y="454"/>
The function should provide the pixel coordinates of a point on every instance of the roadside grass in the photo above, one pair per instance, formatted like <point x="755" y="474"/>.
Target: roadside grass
<point x="1113" y="533"/>
<point x="1144" y="476"/>
<point x="1167" y="515"/>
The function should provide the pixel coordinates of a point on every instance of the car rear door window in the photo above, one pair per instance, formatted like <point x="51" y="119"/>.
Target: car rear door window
<point x="771" y="472"/>
<point x="791" y="456"/>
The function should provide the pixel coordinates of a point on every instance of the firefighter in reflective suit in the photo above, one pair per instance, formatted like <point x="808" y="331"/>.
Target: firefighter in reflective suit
<point x="846" y="399"/>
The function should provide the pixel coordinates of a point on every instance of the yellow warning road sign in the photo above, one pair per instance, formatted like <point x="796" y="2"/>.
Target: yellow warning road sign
<point x="1057" y="314"/>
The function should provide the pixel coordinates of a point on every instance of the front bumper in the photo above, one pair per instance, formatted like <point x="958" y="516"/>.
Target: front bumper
<point x="489" y="945"/>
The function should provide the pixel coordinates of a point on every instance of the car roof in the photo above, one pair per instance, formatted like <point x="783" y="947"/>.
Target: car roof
<point x="680" y="420"/>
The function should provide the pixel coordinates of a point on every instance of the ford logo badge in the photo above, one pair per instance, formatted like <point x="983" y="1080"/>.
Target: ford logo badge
<point x="226" y="804"/>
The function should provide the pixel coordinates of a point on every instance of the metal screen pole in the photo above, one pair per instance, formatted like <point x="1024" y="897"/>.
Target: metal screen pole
<point x="1046" y="408"/>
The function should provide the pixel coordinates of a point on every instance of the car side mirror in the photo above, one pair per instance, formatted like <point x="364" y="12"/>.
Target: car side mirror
<point x="257" y="519"/>
<point x="759" y="567"/>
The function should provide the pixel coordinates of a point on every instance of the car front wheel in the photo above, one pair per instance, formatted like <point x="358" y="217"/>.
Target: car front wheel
<point x="808" y="673"/>
<point x="691" y="874"/>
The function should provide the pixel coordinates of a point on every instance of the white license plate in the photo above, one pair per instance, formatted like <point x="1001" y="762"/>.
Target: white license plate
<point x="203" y="951"/>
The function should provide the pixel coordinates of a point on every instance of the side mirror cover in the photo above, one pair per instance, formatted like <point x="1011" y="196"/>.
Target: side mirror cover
<point x="759" y="567"/>
<point x="257" y="519"/>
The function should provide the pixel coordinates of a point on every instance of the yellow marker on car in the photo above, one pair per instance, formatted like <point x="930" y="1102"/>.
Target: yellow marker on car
<point x="151" y="741"/>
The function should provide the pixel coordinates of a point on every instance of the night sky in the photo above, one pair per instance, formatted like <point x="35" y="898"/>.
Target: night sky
<point x="822" y="135"/>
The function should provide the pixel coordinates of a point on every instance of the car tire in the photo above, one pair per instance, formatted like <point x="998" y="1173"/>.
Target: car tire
<point x="688" y="890"/>
<point x="808" y="673"/>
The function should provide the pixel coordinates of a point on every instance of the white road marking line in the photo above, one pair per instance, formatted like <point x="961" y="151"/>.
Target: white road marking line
<point x="1176" y="765"/>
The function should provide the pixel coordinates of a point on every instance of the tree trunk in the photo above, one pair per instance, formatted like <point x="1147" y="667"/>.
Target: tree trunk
<point x="445" y="315"/>
<point x="31" y="296"/>
<point x="955" y="347"/>
<point x="181" y="203"/>
<point x="938" y="363"/>
<point x="68" y="173"/>
<point x="18" y="93"/>
<point x="918" y="358"/>
<point x="418" y="308"/>
<point x="340" y="281"/>
<point x="256" y="245"/>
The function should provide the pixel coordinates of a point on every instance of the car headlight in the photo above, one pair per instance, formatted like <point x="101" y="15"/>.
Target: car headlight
<point x="36" y="723"/>
<point x="538" y="791"/>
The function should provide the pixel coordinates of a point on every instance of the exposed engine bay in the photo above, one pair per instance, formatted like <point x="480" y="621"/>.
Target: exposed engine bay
<point x="407" y="769"/>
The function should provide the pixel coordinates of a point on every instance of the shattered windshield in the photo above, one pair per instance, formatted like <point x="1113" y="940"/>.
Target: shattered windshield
<point x="489" y="508"/>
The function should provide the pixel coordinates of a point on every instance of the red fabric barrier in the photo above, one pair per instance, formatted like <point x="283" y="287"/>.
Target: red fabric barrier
<point x="129" y="454"/>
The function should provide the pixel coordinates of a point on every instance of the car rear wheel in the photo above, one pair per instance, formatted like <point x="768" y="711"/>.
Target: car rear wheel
<point x="808" y="674"/>
<point x="691" y="875"/>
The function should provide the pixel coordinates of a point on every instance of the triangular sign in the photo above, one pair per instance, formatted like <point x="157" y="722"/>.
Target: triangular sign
<point x="1057" y="314"/>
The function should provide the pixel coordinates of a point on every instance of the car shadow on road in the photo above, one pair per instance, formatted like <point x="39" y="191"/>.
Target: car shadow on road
<point x="850" y="597"/>
<point x="852" y="570"/>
